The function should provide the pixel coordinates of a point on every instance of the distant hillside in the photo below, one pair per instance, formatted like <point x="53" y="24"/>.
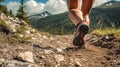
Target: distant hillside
<point x="102" y="16"/>
<point x="55" y="24"/>
<point x="110" y="4"/>
<point x="106" y="15"/>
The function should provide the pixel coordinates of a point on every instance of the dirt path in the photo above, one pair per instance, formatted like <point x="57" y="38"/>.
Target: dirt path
<point x="89" y="57"/>
<point x="57" y="52"/>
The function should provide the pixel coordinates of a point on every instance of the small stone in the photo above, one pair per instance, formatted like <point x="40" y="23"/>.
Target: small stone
<point x="77" y="62"/>
<point x="34" y="38"/>
<point x="26" y="56"/>
<point x="45" y="37"/>
<point x="36" y="46"/>
<point x="59" y="58"/>
<point x="2" y="61"/>
<point x="27" y="32"/>
<point x="115" y="61"/>
<point x="14" y="30"/>
<point x="51" y="38"/>
<point x="107" y="37"/>
<point x="32" y="31"/>
<point x="59" y="50"/>
<point x="48" y="51"/>
<point x="15" y="63"/>
<point x="21" y="35"/>
<point x="43" y="57"/>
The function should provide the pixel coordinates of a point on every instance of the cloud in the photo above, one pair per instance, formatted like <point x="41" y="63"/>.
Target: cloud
<point x="56" y="6"/>
<point x="32" y="7"/>
<point x="52" y="6"/>
<point x="99" y="2"/>
<point x="13" y="6"/>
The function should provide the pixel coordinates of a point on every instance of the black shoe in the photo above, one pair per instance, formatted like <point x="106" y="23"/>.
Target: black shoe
<point x="82" y="30"/>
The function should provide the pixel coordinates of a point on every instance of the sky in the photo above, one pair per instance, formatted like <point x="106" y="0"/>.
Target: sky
<point x="7" y="1"/>
<point x="38" y="6"/>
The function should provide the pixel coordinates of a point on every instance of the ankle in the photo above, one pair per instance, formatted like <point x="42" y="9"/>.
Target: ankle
<point x="87" y="19"/>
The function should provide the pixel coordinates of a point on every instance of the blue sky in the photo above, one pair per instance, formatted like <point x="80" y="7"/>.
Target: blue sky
<point x="7" y="1"/>
<point x="43" y="1"/>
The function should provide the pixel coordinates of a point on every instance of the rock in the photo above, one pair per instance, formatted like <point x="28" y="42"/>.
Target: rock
<point x="21" y="35"/>
<point x="51" y="38"/>
<point x="33" y="31"/>
<point x="14" y="30"/>
<point x="2" y="61"/>
<point x="27" y="32"/>
<point x="26" y="56"/>
<point x="45" y="37"/>
<point x="15" y="63"/>
<point x="59" y="58"/>
<point x="77" y="63"/>
<point x="59" y="50"/>
<point x="23" y="22"/>
<point x="48" y="51"/>
<point x="107" y="37"/>
<point x="36" y="46"/>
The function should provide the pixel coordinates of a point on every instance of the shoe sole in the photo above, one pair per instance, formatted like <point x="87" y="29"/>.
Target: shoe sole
<point x="79" y="39"/>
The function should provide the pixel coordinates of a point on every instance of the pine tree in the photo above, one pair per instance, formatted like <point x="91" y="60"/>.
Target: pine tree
<point x="21" y="14"/>
<point x="10" y="13"/>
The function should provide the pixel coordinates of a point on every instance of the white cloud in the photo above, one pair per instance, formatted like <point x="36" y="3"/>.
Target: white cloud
<point x="52" y="6"/>
<point x="99" y="2"/>
<point x="13" y="6"/>
<point x="56" y="6"/>
<point x="32" y="7"/>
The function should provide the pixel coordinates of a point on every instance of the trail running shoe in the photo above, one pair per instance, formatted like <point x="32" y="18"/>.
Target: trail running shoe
<point x="81" y="31"/>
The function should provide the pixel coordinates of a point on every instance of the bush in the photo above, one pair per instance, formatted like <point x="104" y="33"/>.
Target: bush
<point x="4" y="27"/>
<point x="106" y="31"/>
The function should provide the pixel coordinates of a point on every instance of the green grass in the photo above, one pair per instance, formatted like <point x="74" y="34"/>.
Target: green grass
<point x="2" y="23"/>
<point x="21" y="29"/>
<point x="16" y="38"/>
<point x="106" y="31"/>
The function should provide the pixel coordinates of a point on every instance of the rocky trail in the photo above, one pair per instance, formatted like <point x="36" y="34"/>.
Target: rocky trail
<point x="57" y="51"/>
<point x="43" y="50"/>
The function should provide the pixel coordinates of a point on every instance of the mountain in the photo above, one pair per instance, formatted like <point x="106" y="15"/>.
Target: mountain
<point x="40" y="15"/>
<point x="102" y="16"/>
<point x="110" y="4"/>
<point x="106" y="14"/>
<point x="55" y="24"/>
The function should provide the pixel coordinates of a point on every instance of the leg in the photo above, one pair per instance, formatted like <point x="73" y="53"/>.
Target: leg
<point x="75" y="14"/>
<point x="86" y="8"/>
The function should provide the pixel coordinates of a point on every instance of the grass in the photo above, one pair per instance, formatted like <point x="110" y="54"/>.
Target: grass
<point x="2" y="23"/>
<point x="16" y="36"/>
<point x="106" y="31"/>
<point x="21" y="29"/>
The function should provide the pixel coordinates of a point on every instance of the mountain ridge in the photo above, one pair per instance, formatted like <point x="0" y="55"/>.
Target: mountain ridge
<point x="40" y="15"/>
